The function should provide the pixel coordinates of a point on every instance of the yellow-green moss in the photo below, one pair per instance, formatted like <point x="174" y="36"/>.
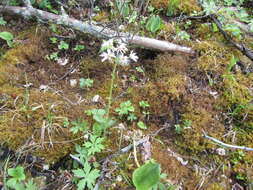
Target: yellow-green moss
<point x="188" y="6"/>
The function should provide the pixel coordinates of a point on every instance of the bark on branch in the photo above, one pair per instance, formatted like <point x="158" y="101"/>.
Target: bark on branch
<point x="94" y="29"/>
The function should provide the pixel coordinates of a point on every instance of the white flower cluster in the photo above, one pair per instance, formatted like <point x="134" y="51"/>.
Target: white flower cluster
<point x="116" y="50"/>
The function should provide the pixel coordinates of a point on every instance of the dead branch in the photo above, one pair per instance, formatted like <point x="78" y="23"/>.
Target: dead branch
<point x="227" y="145"/>
<point x="93" y="29"/>
<point x="245" y="51"/>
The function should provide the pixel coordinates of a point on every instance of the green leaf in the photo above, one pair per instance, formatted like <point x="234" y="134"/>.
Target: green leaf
<point x="79" y="173"/>
<point x="79" y="47"/>
<point x="125" y="108"/>
<point x="2" y="21"/>
<point x="173" y="4"/>
<point x="147" y="176"/>
<point x="87" y="175"/>
<point x="63" y="45"/>
<point x="7" y="36"/>
<point x="17" y="173"/>
<point x="154" y="23"/>
<point x="30" y="185"/>
<point x="141" y="125"/>
<point x="85" y="83"/>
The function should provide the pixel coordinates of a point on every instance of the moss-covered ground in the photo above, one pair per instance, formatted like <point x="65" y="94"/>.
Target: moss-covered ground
<point x="191" y="95"/>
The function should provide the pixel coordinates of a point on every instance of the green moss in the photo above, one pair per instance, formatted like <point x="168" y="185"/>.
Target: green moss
<point x="187" y="7"/>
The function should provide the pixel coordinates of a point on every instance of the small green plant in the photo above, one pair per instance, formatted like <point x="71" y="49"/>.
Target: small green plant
<point x="53" y="56"/>
<point x="8" y="37"/>
<point x="94" y="145"/>
<point x="144" y="104"/>
<point x="179" y="128"/>
<point x="123" y="7"/>
<point x="86" y="177"/>
<point x="102" y="122"/>
<point x="237" y="156"/>
<point x="183" y="35"/>
<point x="125" y="108"/>
<point x="140" y="70"/>
<point x="85" y="83"/>
<point x="131" y="117"/>
<point x="154" y="23"/>
<point x="2" y="21"/>
<point x="46" y="4"/>
<point x="17" y="175"/>
<point x="234" y="29"/>
<point x="16" y="180"/>
<point x="53" y="40"/>
<point x="141" y="125"/>
<point x="78" y="126"/>
<point x="63" y="45"/>
<point x="79" y="47"/>
<point x="148" y="176"/>
<point x="172" y="6"/>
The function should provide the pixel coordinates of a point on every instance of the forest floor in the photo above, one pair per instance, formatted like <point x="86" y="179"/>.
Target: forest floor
<point x="188" y="96"/>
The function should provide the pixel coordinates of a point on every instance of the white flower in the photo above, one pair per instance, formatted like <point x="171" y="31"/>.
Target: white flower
<point x="107" y="45"/>
<point x="123" y="60"/>
<point x="133" y="56"/>
<point x="121" y="48"/>
<point x="108" y="55"/>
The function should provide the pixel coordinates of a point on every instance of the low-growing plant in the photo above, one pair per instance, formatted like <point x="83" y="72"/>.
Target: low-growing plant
<point x="2" y="21"/>
<point x="78" y="126"/>
<point x="53" y="56"/>
<point x="154" y="23"/>
<point x="7" y="36"/>
<point x="94" y="145"/>
<point x="85" y="83"/>
<point x="125" y="108"/>
<point x="101" y="121"/>
<point x="17" y="179"/>
<point x="86" y="176"/>
<point x="79" y="47"/>
<point x="142" y="125"/>
<point x="148" y="177"/>
<point x="172" y="6"/>
<point x="63" y="45"/>
<point x="53" y="40"/>
<point x="183" y="35"/>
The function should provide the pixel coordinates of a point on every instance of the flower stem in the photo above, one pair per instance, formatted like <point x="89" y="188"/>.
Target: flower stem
<point x="111" y="89"/>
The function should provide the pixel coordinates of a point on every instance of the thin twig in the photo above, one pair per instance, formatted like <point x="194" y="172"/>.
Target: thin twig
<point x="245" y="51"/>
<point x="227" y="145"/>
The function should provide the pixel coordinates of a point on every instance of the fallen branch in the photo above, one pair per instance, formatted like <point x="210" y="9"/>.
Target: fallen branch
<point x="245" y="51"/>
<point x="94" y="29"/>
<point x="227" y="145"/>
